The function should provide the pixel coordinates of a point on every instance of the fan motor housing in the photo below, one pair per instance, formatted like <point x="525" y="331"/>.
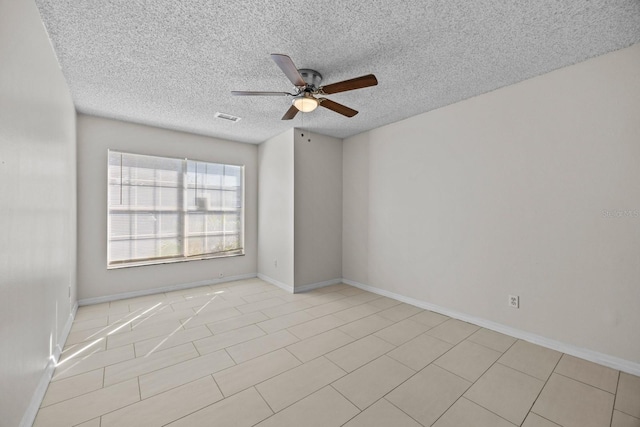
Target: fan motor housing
<point x="311" y="77"/>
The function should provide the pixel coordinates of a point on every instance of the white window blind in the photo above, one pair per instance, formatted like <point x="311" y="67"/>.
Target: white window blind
<point x="164" y="209"/>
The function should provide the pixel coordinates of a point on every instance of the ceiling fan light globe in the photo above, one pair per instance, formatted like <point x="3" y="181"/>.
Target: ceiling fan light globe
<point x="306" y="104"/>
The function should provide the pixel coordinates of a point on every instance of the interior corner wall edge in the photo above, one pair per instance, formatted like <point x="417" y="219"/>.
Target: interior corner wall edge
<point x="318" y="209"/>
<point x="38" y="211"/>
<point x="276" y="209"/>
<point x="530" y="190"/>
<point x="97" y="135"/>
<point x="355" y="208"/>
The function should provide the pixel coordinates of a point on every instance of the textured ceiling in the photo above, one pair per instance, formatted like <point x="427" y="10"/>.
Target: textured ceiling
<point x="173" y="63"/>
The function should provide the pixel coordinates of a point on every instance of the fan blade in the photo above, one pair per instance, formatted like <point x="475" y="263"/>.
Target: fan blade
<point x="250" y="93"/>
<point x="357" y="83"/>
<point x="338" y="108"/>
<point x="288" y="68"/>
<point x="291" y="113"/>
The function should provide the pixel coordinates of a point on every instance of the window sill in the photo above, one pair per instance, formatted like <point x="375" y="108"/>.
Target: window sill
<point x="168" y="261"/>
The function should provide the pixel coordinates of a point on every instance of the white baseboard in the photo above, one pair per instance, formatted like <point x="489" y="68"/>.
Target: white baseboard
<point x="38" y="395"/>
<point x="623" y="365"/>
<point x="29" y="415"/>
<point x="275" y="282"/>
<point x="115" y="297"/>
<point x="65" y="332"/>
<point x="311" y="286"/>
<point x="299" y="289"/>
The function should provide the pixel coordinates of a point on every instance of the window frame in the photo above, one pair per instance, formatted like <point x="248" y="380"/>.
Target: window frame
<point x="182" y="230"/>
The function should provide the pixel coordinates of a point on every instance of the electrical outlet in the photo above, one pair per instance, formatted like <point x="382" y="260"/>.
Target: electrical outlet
<point x="514" y="301"/>
<point x="221" y="275"/>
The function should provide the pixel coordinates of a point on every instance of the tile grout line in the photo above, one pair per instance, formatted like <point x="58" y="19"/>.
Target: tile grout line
<point x="455" y="401"/>
<point x="387" y="354"/>
<point x="382" y="355"/>
<point x="180" y="385"/>
<point x="615" y="398"/>
<point x="587" y="384"/>
<point x="159" y="369"/>
<point x="529" y="375"/>
<point x="296" y="357"/>
<point x="200" y="409"/>
<point x="488" y="410"/>
<point x="360" y="411"/>
<point x="486" y="346"/>
<point x="459" y="376"/>
<point x="266" y="379"/>
<point x="301" y="364"/>
<point x="544" y="418"/>
<point x="346" y="323"/>
<point x="80" y="373"/>
<point x="626" y="413"/>
<point x="158" y="394"/>
<point x="397" y="407"/>
<point x="357" y="339"/>
<point x="387" y="393"/>
<point x="472" y="382"/>
<point x="230" y="330"/>
<point x="121" y="407"/>
<point x="542" y="389"/>
<point x="267" y="403"/>
<point x="477" y="404"/>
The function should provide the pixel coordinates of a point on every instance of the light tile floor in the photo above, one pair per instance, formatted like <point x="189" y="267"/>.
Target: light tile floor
<point x="246" y="353"/>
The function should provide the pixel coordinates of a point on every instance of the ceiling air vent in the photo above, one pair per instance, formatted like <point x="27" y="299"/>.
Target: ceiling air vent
<point x="227" y="117"/>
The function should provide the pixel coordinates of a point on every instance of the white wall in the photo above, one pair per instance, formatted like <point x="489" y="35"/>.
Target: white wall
<point x="276" y="205"/>
<point x="505" y="194"/>
<point x="318" y="208"/>
<point x="95" y="137"/>
<point x="355" y="209"/>
<point x="37" y="210"/>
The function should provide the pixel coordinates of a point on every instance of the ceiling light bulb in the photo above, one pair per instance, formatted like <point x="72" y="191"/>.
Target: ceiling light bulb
<point x="305" y="103"/>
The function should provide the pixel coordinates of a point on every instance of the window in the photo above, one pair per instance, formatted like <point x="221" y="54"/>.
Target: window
<point x="165" y="210"/>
